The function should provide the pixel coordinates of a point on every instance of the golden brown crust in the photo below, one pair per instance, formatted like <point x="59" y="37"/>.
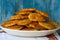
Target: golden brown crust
<point x="27" y="9"/>
<point x="16" y="27"/>
<point x="36" y="26"/>
<point x="23" y="13"/>
<point x="29" y="28"/>
<point x="23" y="22"/>
<point x="39" y="18"/>
<point x="53" y="23"/>
<point x="9" y="23"/>
<point x="32" y="17"/>
<point x="46" y="25"/>
<point x="43" y="13"/>
<point x="16" y="17"/>
<point x="35" y="17"/>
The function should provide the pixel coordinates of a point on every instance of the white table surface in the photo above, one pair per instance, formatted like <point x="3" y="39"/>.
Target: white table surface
<point x="4" y="36"/>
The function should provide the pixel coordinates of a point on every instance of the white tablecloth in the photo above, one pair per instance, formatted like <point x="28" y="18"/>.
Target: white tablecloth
<point x="4" y="36"/>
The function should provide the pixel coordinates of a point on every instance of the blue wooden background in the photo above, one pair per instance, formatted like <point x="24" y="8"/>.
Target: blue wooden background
<point x="9" y="7"/>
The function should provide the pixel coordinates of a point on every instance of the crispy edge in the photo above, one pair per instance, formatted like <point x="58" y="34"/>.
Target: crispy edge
<point x="46" y="25"/>
<point x="9" y="23"/>
<point x="23" y="22"/>
<point x="16" y="27"/>
<point x="27" y="9"/>
<point x="43" y="13"/>
<point x="53" y="23"/>
<point x="16" y="17"/>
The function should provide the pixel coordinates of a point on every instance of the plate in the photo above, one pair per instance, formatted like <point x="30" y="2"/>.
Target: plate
<point x="29" y="33"/>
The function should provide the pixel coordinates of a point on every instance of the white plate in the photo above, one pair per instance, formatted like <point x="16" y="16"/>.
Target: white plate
<point x="29" y="33"/>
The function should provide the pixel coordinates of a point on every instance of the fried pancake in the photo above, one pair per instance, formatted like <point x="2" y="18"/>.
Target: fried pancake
<point x="23" y="22"/>
<point x="32" y="17"/>
<point x="9" y="23"/>
<point x="39" y="18"/>
<point x="36" y="26"/>
<point x="16" y="27"/>
<point x="35" y="17"/>
<point x="46" y="25"/>
<point x="53" y="23"/>
<point x="43" y="13"/>
<point x="18" y="17"/>
<point x="28" y="9"/>
<point x="29" y="28"/>
<point x="23" y="13"/>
